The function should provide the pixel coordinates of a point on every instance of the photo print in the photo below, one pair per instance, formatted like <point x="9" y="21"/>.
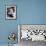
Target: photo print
<point x="10" y="12"/>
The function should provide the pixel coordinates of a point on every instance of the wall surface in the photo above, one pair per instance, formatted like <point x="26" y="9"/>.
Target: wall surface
<point x="28" y="12"/>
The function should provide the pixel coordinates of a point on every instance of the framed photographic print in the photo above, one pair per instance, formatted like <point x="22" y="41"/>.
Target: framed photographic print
<point x="10" y="12"/>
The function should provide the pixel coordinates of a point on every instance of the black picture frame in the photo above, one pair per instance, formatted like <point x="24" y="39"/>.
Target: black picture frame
<point x="10" y="12"/>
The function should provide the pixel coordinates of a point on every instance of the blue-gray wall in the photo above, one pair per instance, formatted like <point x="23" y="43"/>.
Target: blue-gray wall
<point x="28" y="12"/>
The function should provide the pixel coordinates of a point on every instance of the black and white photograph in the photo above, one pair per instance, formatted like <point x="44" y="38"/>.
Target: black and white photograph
<point x="11" y="12"/>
